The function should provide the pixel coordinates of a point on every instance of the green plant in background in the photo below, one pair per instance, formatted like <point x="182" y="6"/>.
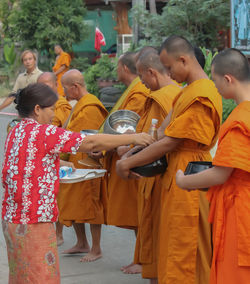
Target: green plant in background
<point x="42" y="24"/>
<point x="197" y="20"/>
<point x="103" y="69"/>
<point x="80" y="63"/>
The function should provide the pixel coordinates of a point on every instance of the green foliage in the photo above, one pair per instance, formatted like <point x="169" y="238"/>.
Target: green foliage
<point x="42" y="24"/>
<point x="9" y="53"/>
<point x="228" y="106"/>
<point x="80" y="63"/>
<point x="104" y="68"/>
<point x="209" y="58"/>
<point x="197" y="20"/>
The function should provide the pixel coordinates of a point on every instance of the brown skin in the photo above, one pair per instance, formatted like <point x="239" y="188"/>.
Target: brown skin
<point x="182" y="68"/>
<point x="230" y="88"/>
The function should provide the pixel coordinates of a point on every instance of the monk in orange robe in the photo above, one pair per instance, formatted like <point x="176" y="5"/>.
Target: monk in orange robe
<point x="158" y="104"/>
<point x="81" y="202"/>
<point x="61" y="66"/>
<point x="229" y="179"/>
<point x="187" y="134"/>
<point x="62" y="107"/>
<point x="121" y="213"/>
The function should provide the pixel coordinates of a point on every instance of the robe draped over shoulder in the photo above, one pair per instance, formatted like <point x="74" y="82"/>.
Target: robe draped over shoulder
<point x="230" y="202"/>
<point x="63" y="59"/>
<point x="185" y="243"/>
<point x="62" y="111"/>
<point x="158" y="105"/>
<point x="122" y="194"/>
<point x="83" y="202"/>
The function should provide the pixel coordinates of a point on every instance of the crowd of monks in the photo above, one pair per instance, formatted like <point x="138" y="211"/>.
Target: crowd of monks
<point x="173" y="235"/>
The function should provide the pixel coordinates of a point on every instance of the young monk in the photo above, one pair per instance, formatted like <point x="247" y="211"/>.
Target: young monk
<point x="229" y="179"/>
<point x="122" y="195"/>
<point x="163" y="91"/>
<point x="61" y="66"/>
<point x="81" y="202"/>
<point x="62" y="107"/>
<point x="187" y="134"/>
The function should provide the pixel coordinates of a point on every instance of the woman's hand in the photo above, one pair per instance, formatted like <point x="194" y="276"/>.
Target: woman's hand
<point x="67" y="164"/>
<point x="143" y="139"/>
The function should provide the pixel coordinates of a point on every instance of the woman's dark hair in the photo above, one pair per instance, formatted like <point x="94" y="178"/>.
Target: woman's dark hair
<point x="34" y="94"/>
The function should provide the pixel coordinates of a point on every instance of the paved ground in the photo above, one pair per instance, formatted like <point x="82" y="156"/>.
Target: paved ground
<point x="118" y="245"/>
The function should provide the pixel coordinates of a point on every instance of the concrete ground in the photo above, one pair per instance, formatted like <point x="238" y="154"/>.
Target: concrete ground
<point x="118" y="245"/>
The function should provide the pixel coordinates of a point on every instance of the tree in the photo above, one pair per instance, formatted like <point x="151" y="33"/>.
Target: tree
<point x="42" y="24"/>
<point x="198" y="20"/>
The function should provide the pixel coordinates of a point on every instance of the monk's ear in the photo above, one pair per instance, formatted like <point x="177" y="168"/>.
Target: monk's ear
<point x="125" y="67"/>
<point x="183" y="60"/>
<point x="228" y="78"/>
<point x="151" y="71"/>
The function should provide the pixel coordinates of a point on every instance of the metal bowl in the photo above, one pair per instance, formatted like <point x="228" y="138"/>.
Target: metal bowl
<point x="89" y="132"/>
<point x="121" y="121"/>
<point x="157" y="167"/>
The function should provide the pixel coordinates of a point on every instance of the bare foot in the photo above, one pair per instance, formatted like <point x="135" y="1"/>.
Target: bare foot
<point x="133" y="269"/>
<point x="76" y="249"/>
<point x="126" y="266"/>
<point x="91" y="257"/>
<point x="59" y="241"/>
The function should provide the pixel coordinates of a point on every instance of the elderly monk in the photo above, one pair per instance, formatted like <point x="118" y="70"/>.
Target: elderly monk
<point x="81" y="202"/>
<point x="122" y="195"/>
<point x="61" y="66"/>
<point x="163" y="91"/>
<point x="229" y="179"/>
<point x="62" y="107"/>
<point x="30" y="75"/>
<point x="187" y="134"/>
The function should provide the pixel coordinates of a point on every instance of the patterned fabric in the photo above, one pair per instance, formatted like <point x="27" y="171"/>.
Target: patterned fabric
<point x="32" y="253"/>
<point x="31" y="169"/>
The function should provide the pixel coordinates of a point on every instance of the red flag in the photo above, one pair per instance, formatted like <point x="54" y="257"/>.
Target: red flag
<point x="99" y="39"/>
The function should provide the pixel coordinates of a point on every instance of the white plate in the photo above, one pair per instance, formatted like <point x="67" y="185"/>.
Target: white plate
<point x="83" y="174"/>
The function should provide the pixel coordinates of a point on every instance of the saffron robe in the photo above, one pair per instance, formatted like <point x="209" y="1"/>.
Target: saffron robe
<point x="62" y="59"/>
<point x="62" y="111"/>
<point x="185" y="237"/>
<point x="82" y="202"/>
<point x="157" y="105"/>
<point x="122" y="194"/>
<point x="230" y="202"/>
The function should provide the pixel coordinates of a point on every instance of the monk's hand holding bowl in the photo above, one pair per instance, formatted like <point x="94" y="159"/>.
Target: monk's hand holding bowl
<point x="181" y="180"/>
<point x="124" y="172"/>
<point x="143" y="139"/>
<point x="96" y="155"/>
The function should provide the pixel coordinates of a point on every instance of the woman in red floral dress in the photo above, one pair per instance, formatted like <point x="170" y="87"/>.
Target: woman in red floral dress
<point x="30" y="179"/>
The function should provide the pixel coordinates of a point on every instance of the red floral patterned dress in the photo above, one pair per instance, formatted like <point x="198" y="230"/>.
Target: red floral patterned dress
<point x="30" y="180"/>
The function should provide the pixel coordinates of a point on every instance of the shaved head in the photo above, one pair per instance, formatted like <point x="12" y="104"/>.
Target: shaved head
<point x="73" y="76"/>
<point x="151" y="59"/>
<point x="145" y="49"/>
<point x="49" y="79"/>
<point x="232" y="61"/>
<point x="177" y="45"/>
<point x="129" y="59"/>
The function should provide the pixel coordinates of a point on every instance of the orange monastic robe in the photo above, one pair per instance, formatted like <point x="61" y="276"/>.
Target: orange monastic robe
<point x="122" y="194"/>
<point x="158" y="105"/>
<point x="185" y="237"/>
<point x="62" y="111"/>
<point x="82" y="202"/>
<point x="62" y="59"/>
<point x="230" y="202"/>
